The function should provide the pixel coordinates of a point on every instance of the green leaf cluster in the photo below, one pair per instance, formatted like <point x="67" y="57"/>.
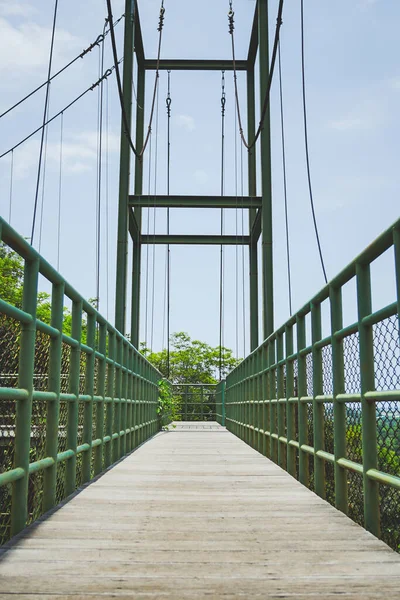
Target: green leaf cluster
<point x="191" y="361"/>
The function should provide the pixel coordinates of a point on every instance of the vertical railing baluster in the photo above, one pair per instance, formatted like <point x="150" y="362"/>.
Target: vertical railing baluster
<point x="19" y="506"/>
<point x="73" y="405"/>
<point x="369" y="431"/>
<point x="273" y="401"/>
<point x="280" y="406"/>
<point x="89" y="391"/>
<point x="339" y="408"/>
<point x="53" y="407"/>
<point x="110" y="401"/>
<point x="101" y="380"/>
<point x="265" y="406"/>
<point x="290" y="406"/>
<point x="318" y="407"/>
<point x="302" y="407"/>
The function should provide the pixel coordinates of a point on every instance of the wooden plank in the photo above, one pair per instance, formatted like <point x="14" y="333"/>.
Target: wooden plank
<point x="196" y="513"/>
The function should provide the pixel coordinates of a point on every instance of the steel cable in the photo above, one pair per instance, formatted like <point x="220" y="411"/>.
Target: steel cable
<point x="81" y="55"/>
<point x="284" y="178"/>
<point x="270" y="77"/>
<point x="44" y="119"/>
<point x="306" y="142"/>
<point x="127" y="128"/>
<point x="89" y="89"/>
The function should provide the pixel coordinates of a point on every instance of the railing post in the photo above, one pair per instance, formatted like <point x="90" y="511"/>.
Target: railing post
<point x="89" y="391"/>
<point x="396" y="241"/>
<point x="73" y="405"/>
<point x="302" y="407"/>
<point x="201" y="402"/>
<point x="101" y="379"/>
<point x="53" y="407"/>
<point x="273" y="401"/>
<point x="110" y="400"/>
<point x="369" y="433"/>
<point x="280" y="405"/>
<point x="223" y="386"/>
<point x="265" y="398"/>
<point x="318" y="407"/>
<point x="290" y="412"/>
<point x="19" y="508"/>
<point x="339" y="408"/>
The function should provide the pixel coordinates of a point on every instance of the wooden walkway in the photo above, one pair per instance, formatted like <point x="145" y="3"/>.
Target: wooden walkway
<point x="195" y="513"/>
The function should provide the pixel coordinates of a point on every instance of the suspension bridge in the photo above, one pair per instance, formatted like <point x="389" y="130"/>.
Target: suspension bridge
<point x="282" y="480"/>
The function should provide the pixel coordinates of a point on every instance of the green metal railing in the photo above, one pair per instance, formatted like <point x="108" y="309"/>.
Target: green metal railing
<point x="220" y="403"/>
<point x="195" y="401"/>
<point x="60" y="425"/>
<point x="327" y="408"/>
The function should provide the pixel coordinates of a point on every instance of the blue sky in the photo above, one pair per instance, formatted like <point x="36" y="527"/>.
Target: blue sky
<point x="353" y="93"/>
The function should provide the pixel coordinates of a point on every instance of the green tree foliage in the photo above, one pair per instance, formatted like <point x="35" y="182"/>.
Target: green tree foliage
<point x="191" y="361"/>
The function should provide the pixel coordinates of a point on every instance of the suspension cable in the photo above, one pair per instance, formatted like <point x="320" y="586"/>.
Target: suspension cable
<point x="44" y="119"/>
<point x="89" y="89"/>
<point x="138" y="154"/>
<point x="154" y="221"/>
<point x="243" y="268"/>
<point x="221" y="263"/>
<point x="99" y="170"/>
<point x="231" y="14"/>
<point x="168" y="101"/>
<point x="46" y="129"/>
<point x="11" y="187"/>
<point x="84" y="52"/>
<point x="107" y="166"/>
<point x="148" y="247"/>
<point x="285" y="179"/>
<point x="60" y="192"/>
<point x="306" y="142"/>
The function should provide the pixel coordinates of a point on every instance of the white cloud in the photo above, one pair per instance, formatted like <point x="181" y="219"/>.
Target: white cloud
<point x="26" y="46"/>
<point x="347" y="124"/>
<point x="395" y="83"/>
<point x="201" y="177"/>
<point x="16" y="9"/>
<point x="79" y="154"/>
<point x="186" y="122"/>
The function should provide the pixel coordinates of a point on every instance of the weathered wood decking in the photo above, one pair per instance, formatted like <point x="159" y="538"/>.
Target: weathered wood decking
<point x="196" y="513"/>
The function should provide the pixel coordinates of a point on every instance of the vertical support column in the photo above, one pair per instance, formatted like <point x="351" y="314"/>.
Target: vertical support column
<point x="318" y="407"/>
<point x="73" y="405"/>
<point x="302" y="406"/>
<point x="124" y="171"/>
<point x="89" y="391"/>
<point x="19" y="510"/>
<point x="267" y="252"/>
<point x="101" y="379"/>
<point x="137" y="248"/>
<point x="396" y="241"/>
<point x="223" y="386"/>
<point x="339" y="408"/>
<point x="253" y="257"/>
<point x="369" y="433"/>
<point x="280" y="405"/>
<point x="290" y="407"/>
<point x="110" y="400"/>
<point x="53" y="407"/>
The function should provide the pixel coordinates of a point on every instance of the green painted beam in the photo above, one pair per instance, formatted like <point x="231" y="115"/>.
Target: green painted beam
<point x="139" y="49"/>
<point x="253" y="47"/>
<point x="195" y="202"/>
<point x="256" y="229"/>
<point x="194" y="65"/>
<point x="133" y="226"/>
<point x="266" y="176"/>
<point x="199" y="240"/>
<point x="124" y="173"/>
